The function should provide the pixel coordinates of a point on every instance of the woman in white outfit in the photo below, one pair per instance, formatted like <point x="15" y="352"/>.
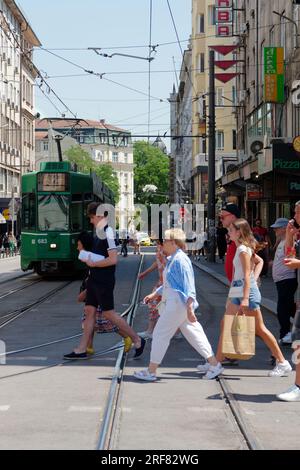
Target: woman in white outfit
<point x="177" y="309"/>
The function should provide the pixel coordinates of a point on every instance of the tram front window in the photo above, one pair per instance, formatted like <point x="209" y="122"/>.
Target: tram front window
<point x="53" y="212"/>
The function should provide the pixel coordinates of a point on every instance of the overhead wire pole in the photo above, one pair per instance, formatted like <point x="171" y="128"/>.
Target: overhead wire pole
<point x="149" y="65"/>
<point x="211" y="207"/>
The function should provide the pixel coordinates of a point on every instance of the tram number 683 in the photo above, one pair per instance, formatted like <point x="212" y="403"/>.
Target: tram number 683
<point x="42" y="241"/>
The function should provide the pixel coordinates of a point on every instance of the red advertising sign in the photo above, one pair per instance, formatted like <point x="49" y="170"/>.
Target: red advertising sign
<point x="224" y="18"/>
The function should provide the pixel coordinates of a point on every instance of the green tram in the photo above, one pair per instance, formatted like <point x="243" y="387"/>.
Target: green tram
<point x="53" y="213"/>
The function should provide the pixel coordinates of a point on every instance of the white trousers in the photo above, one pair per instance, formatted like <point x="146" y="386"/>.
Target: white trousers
<point x="174" y="316"/>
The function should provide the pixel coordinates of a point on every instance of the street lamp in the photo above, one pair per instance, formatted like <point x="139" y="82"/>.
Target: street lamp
<point x="291" y="21"/>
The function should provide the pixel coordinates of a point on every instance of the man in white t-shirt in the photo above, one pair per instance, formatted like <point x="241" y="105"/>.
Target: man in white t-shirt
<point x="286" y="283"/>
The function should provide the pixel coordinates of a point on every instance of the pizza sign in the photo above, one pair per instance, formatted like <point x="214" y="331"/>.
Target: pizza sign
<point x="224" y="18"/>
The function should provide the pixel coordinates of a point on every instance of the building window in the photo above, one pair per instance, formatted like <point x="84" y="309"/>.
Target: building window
<point x="234" y="95"/>
<point x="201" y="27"/>
<point x="212" y="18"/>
<point x="220" y="140"/>
<point x="234" y="139"/>
<point x="219" y="96"/>
<point x="201" y="62"/>
<point x="125" y="157"/>
<point x="45" y="145"/>
<point x="115" y="157"/>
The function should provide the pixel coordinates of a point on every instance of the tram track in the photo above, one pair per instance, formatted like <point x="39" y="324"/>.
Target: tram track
<point x="16" y="313"/>
<point x="107" y="430"/>
<point x="247" y="434"/>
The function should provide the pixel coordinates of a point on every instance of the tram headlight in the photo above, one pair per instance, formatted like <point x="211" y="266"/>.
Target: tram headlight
<point x="53" y="246"/>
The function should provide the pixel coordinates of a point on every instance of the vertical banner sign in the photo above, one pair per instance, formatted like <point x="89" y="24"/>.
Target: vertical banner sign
<point x="274" y="74"/>
<point x="224" y="18"/>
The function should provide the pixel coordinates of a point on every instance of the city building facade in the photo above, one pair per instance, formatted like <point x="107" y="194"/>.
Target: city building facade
<point x="105" y="143"/>
<point x="17" y="107"/>
<point x="181" y="129"/>
<point x="204" y="21"/>
<point x="267" y="179"/>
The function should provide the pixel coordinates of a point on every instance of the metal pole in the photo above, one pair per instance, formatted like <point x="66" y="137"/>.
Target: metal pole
<point x="13" y="211"/>
<point x="211" y="209"/>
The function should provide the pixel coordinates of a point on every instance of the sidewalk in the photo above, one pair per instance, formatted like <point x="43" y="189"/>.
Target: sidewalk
<point x="10" y="268"/>
<point x="267" y="288"/>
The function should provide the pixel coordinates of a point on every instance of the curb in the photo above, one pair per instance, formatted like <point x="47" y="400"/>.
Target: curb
<point x="266" y="303"/>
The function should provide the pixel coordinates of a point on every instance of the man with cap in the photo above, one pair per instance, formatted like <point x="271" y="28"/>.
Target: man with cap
<point x="229" y="214"/>
<point x="101" y="283"/>
<point x="286" y="283"/>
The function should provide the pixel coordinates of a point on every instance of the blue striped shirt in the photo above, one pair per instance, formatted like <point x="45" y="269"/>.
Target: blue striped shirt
<point x="180" y="277"/>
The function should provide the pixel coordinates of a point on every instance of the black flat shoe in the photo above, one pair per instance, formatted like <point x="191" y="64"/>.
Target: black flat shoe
<point x="139" y="351"/>
<point x="230" y="362"/>
<point x="74" y="355"/>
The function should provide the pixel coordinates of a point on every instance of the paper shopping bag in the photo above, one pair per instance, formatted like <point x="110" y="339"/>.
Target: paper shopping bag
<point x="238" y="337"/>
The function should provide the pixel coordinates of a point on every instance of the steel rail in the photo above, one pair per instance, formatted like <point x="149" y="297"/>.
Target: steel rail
<point x="244" y="428"/>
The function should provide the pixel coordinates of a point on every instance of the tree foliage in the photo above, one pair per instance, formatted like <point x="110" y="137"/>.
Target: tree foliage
<point x="85" y="164"/>
<point x="151" y="167"/>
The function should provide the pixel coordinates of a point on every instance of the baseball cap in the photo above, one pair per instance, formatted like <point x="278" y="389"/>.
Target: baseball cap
<point x="280" y="223"/>
<point x="232" y="208"/>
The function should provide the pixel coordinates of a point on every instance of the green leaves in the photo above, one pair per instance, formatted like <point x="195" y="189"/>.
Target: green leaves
<point x="151" y="168"/>
<point x="85" y="164"/>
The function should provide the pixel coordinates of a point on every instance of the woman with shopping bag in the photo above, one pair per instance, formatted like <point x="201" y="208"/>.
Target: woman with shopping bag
<point x="245" y="296"/>
<point x="176" y="310"/>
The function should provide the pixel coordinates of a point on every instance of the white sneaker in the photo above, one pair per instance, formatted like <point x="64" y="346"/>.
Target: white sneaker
<point x="287" y="339"/>
<point x="145" y="335"/>
<point x="292" y="394"/>
<point x="281" y="369"/>
<point x="213" y="372"/>
<point x="145" y="375"/>
<point x="178" y="336"/>
<point x="203" y="368"/>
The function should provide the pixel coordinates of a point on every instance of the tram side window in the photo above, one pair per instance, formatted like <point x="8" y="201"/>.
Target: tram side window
<point x="28" y="211"/>
<point x="76" y="213"/>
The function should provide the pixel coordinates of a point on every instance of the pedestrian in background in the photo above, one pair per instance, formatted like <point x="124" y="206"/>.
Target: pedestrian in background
<point x="177" y="310"/>
<point x="221" y="240"/>
<point x="286" y="283"/>
<point x="292" y="240"/>
<point x="262" y="236"/>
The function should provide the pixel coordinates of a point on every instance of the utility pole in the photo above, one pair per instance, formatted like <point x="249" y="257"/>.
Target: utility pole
<point x="211" y="209"/>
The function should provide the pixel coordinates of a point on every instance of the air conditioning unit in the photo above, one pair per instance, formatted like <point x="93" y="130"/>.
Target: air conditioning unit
<point x="16" y="70"/>
<point x="9" y="61"/>
<point x="8" y="101"/>
<point x="3" y="56"/>
<point x="1" y="187"/>
<point x="255" y="145"/>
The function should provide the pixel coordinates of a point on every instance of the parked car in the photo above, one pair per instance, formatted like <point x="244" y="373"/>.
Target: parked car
<point x="144" y="239"/>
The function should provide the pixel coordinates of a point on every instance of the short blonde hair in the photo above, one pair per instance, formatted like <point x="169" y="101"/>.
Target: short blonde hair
<point x="177" y="235"/>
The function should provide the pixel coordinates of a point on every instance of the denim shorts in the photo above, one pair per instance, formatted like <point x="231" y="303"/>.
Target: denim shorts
<point x="254" y="299"/>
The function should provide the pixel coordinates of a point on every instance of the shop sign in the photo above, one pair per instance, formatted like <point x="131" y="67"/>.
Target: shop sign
<point x="296" y="143"/>
<point x="224" y="18"/>
<point x="294" y="186"/>
<point x="253" y="192"/>
<point x="285" y="157"/>
<point x="274" y="74"/>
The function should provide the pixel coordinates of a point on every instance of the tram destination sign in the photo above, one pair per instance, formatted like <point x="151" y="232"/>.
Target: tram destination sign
<point x="224" y="18"/>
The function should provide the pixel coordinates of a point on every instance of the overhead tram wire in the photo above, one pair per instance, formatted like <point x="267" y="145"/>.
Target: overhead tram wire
<point x="101" y="76"/>
<point x="16" y="42"/>
<point x="137" y="46"/>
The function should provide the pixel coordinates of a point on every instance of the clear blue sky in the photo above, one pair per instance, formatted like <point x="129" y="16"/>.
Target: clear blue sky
<point x="107" y="24"/>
